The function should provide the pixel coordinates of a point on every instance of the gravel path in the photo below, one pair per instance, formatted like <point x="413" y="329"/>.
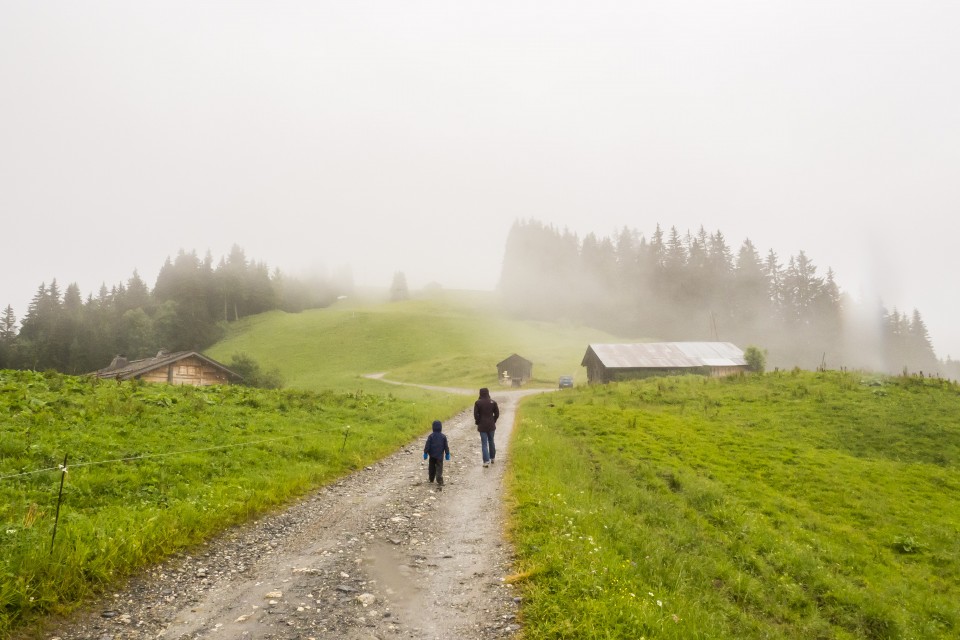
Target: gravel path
<point x="380" y="554"/>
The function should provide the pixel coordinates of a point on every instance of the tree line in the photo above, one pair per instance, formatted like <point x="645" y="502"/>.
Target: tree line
<point x="674" y="286"/>
<point x="670" y="286"/>
<point x="188" y="309"/>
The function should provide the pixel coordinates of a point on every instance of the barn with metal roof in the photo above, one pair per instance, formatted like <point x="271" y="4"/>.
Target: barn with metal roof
<point x="613" y="362"/>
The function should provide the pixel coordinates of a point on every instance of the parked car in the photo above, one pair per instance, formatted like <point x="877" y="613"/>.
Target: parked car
<point x="566" y="382"/>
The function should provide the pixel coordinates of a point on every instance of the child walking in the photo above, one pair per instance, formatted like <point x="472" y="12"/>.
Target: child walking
<point x="436" y="449"/>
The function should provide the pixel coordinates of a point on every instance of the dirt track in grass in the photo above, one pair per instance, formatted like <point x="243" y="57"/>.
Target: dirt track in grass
<point x="380" y="554"/>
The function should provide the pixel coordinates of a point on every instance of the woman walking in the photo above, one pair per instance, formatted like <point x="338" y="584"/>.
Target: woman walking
<point x="485" y="414"/>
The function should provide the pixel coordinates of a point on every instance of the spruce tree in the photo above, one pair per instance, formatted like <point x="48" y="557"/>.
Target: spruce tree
<point x="922" y="355"/>
<point x="8" y="325"/>
<point x="398" y="288"/>
<point x="8" y="338"/>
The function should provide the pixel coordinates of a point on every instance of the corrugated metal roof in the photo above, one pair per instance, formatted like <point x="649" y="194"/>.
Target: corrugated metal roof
<point x="668" y="355"/>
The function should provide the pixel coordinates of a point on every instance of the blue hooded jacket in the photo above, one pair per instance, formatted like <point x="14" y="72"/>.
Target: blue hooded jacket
<point x="436" y="442"/>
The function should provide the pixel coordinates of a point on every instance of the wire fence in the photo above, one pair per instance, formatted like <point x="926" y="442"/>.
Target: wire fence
<point x="63" y="468"/>
<point x="60" y="468"/>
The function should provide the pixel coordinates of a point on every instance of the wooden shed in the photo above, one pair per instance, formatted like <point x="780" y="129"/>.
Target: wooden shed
<point x="182" y="367"/>
<point x="514" y="370"/>
<point x="613" y="362"/>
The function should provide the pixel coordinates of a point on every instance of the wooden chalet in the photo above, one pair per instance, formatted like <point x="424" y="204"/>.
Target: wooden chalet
<point x="514" y="370"/>
<point x="182" y="367"/>
<point x="614" y="362"/>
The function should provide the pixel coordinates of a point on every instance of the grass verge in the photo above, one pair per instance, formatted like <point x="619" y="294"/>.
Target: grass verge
<point x="792" y="505"/>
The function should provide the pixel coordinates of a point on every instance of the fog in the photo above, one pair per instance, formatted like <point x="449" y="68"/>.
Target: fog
<point x="410" y="136"/>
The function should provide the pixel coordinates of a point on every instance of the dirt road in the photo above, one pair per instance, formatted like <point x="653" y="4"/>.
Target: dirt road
<point x="381" y="554"/>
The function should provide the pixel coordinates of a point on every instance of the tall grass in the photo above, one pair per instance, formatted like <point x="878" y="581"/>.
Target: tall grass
<point x="793" y="505"/>
<point x="153" y="469"/>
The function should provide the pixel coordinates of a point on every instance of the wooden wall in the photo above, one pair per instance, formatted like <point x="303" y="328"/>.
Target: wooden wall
<point x="596" y="372"/>
<point x="192" y="371"/>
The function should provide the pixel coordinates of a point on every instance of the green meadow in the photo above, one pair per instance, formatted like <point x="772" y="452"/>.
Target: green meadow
<point x="788" y="505"/>
<point x="448" y="338"/>
<point x="784" y="505"/>
<point x="153" y="469"/>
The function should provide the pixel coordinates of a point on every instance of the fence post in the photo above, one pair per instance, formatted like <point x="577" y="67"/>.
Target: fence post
<point x="56" y="520"/>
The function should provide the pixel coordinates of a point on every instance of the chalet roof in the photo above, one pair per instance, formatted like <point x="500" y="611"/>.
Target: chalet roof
<point x="667" y="355"/>
<point x="511" y="358"/>
<point x="124" y="370"/>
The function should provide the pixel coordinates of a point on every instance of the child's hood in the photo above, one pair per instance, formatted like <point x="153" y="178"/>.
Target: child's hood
<point x="437" y="426"/>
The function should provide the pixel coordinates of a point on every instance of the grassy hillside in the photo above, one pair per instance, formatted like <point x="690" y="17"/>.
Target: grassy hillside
<point x="155" y="468"/>
<point x="790" y="505"/>
<point x="448" y="338"/>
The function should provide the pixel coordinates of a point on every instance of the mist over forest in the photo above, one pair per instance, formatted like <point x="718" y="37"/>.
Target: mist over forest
<point x="671" y="286"/>
<point x="187" y="309"/>
<point x="674" y="286"/>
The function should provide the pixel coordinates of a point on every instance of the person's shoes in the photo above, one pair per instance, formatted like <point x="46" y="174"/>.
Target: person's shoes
<point x="440" y="482"/>
<point x="491" y="460"/>
<point x="431" y="480"/>
<point x="486" y="464"/>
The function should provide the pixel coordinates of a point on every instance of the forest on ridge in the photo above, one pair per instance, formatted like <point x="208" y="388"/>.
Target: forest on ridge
<point x="670" y="286"/>
<point x="677" y="286"/>
<point x="187" y="309"/>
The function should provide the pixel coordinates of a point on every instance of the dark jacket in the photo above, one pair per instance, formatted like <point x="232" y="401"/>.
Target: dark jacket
<point x="485" y="412"/>
<point x="436" y="442"/>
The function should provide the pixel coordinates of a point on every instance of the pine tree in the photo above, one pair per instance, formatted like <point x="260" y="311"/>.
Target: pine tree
<point x="895" y="334"/>
<point x="630" y="281"/>
<point x="675" y="258"/>
<point x="922" y="355"/>
<point x="259" y="289"/>
<point x="596" y="285"/>
<point x="37" y="327"/>
<point x="32" y="325"/>
<point x="773" y="272"/>
<point x="719" y="280"/>
<point x="231" y="276"/>
<point x="8" y="325"/>
<point x="137" y="294"/>
<point x="8" y="338"/>
<point x="658" y="251"/>
<point x="398" y="289"/>
<point x="697" y="252"/>
<point x="189" y="284"/>
<point x="750" y="295"/>
<point x="801" y="288"/>
<point x="72" y="300"/>
<point x="137" y="338"/>
<point x="721" y="260"/>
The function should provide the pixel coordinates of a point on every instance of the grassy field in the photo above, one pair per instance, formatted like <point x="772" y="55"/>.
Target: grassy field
<point x="153" y="469"/>
<point x="448" y="338"/>
<point x="790" y="505"/>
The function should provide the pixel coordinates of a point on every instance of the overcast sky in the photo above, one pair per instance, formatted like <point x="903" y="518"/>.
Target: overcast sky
<point x="409" y="136"/>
